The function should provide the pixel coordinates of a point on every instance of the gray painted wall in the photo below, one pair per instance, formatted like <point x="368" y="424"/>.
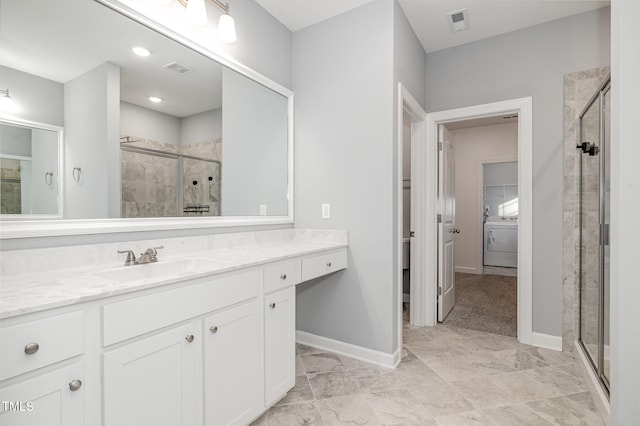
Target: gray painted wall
<point x="409" y="68"/>
<point x="201" y="127"/>
<point x="146" y="123"/>
<point x="343" y="76"/>
<point x="35" y="98"/>
<point x="625" y="210"/>
<point x="530" y="62"/>
<point x="254" y="148"/>
<point x="92" y="114"/>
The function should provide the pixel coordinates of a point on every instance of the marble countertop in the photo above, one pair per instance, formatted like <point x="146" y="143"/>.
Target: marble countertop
<point x="37" y="291"/>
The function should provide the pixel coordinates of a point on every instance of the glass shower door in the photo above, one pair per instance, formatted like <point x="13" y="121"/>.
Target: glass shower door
<point x="594" y="231"/>
<point x="590" y="233"/>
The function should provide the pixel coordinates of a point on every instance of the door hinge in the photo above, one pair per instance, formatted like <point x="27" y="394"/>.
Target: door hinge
<point x="439" y="146"/>
<point x="412" y="234"/>
<point x="439" y="218"/>
<point x="439" y="291"/>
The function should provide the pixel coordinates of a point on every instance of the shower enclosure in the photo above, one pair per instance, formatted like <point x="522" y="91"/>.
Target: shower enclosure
<point x="594" y="145"/>
<point x="160" y="180"/>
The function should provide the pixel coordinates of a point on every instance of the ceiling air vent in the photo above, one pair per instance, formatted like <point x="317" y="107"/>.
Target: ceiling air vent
<point x="458" y="20"/>
<point x="177" y="68"/>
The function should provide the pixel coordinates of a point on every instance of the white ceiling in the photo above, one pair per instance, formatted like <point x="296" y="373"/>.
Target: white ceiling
<point x="487" y="18"/>
<point x="61" y="40"/>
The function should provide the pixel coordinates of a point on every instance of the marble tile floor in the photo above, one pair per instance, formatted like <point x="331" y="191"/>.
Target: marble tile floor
<point x="447" y="376"/>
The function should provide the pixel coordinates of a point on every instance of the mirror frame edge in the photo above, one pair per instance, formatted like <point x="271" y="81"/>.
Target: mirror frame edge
<point x="12" y="229"/>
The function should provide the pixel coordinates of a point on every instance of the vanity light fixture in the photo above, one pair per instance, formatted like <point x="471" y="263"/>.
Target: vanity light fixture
<point x="155" y="99"/>
<point x="5" y="99"/>
<point x="197" y="15"/>
<point x="141" y="51"/>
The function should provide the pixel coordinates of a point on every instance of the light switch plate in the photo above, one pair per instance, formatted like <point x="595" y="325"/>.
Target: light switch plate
<point x="326" y="211"/>
<point x="263" y="209"/>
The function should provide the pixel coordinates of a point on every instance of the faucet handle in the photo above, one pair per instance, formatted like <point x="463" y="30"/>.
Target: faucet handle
<point x="131" y="257"/>
<point x="150" y="254"/>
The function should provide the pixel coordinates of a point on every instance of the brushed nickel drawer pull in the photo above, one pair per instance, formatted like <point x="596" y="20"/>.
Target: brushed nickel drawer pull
<point x="74" y="385"/>
<point x="283" y="276"/>
<point x="272" y="305"/>
<point x="213" y="329"/>
<point x="189" y="338"/>
<point x="31" y="348"/>
<point x="329" y="264"/>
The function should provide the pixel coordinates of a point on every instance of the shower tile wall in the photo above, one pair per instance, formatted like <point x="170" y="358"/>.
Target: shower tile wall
<point x="149" y="182"/>
<point x="10" y="191"/>
<point x="579" y="87"/>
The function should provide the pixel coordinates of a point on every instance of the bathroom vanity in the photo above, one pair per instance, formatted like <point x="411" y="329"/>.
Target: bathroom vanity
<point x="208" y="339"/>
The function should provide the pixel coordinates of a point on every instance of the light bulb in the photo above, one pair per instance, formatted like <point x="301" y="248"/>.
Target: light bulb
<point x="197" y="12"/>
<point x="227" y="29"/>
<point x="155" y="99"/>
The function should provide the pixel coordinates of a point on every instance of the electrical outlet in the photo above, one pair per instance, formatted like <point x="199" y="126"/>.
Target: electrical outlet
<point x="326" y="211"/>
<point x="263" y="209"/>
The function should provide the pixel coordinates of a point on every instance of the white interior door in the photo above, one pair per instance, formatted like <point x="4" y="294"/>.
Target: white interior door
<point x="447" y="225"/>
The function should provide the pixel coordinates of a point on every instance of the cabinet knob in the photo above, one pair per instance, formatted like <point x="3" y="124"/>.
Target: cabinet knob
<point x="272" y="305"/>
<point x="283" y="276"/>
<point x="74" y="385"/>
<point x="213" y="329"/>
<point x="189" y="338"/>
<point x="329" y="264"/>
<point x="31" y="348"/>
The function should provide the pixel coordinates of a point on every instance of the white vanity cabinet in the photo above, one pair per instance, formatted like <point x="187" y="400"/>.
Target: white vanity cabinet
<point x="233" y="368"/>
<point x="280" y="341"/>
<point x="54" y="398"/>
<point x="46" y="396"/>
<point x="155" y="381"/>
<point x="217" y="349"/>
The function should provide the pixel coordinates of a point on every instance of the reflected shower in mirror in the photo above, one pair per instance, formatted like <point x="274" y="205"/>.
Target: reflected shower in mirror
<point x="29" y="175"/>
<point x="171" y="133"/>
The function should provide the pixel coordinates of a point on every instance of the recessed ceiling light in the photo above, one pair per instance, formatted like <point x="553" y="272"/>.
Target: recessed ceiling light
<point x="141" y="51"/>
<point x="155" y="99"/>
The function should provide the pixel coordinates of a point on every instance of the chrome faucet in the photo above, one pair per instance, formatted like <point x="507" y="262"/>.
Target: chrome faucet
<point x="150" y="255"/>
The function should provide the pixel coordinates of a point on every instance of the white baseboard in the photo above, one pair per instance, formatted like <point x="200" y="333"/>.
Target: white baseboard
<point x="358" y="352"/>
<point x="546" y="341"/>
<point x="467" y="270"/>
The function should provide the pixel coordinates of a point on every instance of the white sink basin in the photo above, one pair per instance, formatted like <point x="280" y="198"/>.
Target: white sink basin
<point x="158" y="269"/>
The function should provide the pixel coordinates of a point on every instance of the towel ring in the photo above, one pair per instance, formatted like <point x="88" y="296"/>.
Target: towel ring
<point x="76" y="174"/>
<point x="48" y="178"/>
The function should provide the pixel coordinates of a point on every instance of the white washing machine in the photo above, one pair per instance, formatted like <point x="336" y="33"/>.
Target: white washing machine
<point x="501" y="242"/>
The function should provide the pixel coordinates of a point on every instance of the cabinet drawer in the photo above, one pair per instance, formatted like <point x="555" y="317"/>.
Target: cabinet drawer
<point x="134" y="317"/>
<point x="281" y="275"/>
<point x="313" y="267"/>
<point x="34" y="344"/>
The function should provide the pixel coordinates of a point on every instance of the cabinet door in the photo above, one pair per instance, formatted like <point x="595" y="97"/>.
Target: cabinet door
<point x="233" y="365"/>
<point x="155" y="381"/>
<point x="54" y="398"/>
<point x="279" y="343"/>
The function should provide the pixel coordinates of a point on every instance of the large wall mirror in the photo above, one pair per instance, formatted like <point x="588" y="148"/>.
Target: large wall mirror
<point x="172" y="136"/>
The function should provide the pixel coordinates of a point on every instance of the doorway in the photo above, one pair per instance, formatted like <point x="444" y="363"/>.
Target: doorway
<point x="425" y="163"/>
<point x="478" y="205"/>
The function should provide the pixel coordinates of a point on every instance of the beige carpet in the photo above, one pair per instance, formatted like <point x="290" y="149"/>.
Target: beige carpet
<point x="485" y="303"/>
